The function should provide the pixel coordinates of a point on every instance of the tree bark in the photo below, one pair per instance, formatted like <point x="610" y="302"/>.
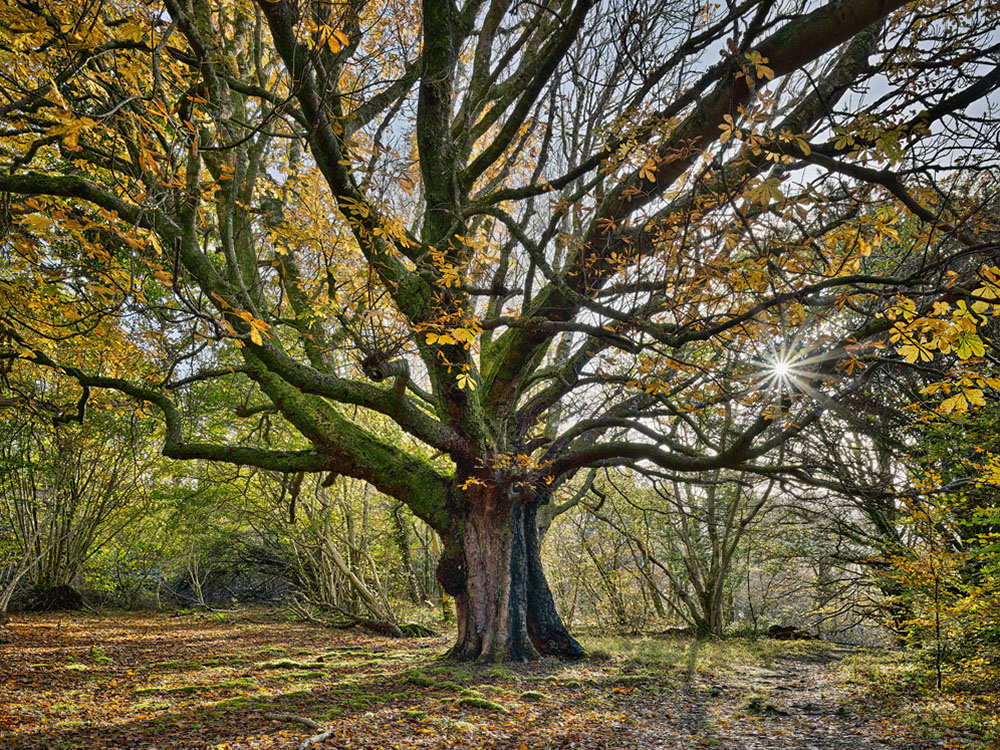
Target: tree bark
<point x="492" y="567"/>
<point x="709" y="623"/>
<point x="406" y="556"/>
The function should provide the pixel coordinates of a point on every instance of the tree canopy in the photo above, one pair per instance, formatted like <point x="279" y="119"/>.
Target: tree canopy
<point x="464" y="252"/>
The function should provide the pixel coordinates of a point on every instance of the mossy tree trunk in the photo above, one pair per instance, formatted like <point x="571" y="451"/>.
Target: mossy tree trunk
<point x="493" y="569"/>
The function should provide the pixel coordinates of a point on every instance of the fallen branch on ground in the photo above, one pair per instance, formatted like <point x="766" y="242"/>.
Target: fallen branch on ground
<point x="295" y="719"/>
<point x="301" y="607"/>
<point x="309" y="741"/>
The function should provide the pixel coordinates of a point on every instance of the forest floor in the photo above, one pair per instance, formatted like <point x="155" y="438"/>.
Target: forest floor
<point x="160" y="682"/>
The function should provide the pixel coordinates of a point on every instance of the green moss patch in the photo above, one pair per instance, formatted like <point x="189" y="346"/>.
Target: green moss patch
<point x="291" y="664"/>
<point x="242" y="683"/>
<point x="534" y="697"/>
<point x="499" y="673"/>
<point x="482" y="703"/>
<point x="418" y="678"/>
<point x="177" y="665"/>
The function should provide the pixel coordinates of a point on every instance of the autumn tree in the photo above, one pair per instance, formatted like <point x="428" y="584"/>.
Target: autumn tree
<point x="537" y="237"/>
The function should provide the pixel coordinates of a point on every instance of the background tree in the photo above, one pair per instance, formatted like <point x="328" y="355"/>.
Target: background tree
<point x="66" y="492"/>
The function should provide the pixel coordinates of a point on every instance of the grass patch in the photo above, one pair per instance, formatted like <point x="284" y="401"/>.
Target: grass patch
<point x="70" y="724"/>
<point x="151" y="704"/>
<point x="901" y="685"/>
<point x="225" y="660"/>
<point x="297" y="694"/>
<point x="230" y="705"/>
<point x="296" y="676"/>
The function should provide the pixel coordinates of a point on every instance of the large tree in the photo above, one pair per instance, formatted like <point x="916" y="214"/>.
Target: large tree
<point x="535" y="236"/>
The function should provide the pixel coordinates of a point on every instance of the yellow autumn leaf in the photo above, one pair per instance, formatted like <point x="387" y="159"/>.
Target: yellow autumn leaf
<point x="761" y="70"/>
<point x="35" y="222"/>
<point x="975" y="397"/>
<point x="912" y="352"/>
<point x="466" y="382"/>
<point x="464" y="335"/>
<point x="970" y="345"/>
<point x="70" y="127"/>
<point x="648" y="170"/>
<point x="956" y="404"/>
<point x="728" y="127"/>
<point x="131" y="30"/>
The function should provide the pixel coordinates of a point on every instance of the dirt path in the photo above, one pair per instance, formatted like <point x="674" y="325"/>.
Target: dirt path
<point x="796" y="703"/>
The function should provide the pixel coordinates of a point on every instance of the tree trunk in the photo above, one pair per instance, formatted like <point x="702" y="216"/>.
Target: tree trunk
<point x="493" y="569"/>
<point x="709" y="623"/>
<point x="403" y="545"/>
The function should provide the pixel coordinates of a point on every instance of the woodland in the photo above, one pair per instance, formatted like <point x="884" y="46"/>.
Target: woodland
<point x="499" y="373"/>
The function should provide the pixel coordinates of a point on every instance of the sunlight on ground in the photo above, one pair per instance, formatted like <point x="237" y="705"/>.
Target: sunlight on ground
<point x="184" y="682"/>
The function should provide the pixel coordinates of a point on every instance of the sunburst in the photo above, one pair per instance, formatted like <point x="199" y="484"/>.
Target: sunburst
<point x="788" y="369"/>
